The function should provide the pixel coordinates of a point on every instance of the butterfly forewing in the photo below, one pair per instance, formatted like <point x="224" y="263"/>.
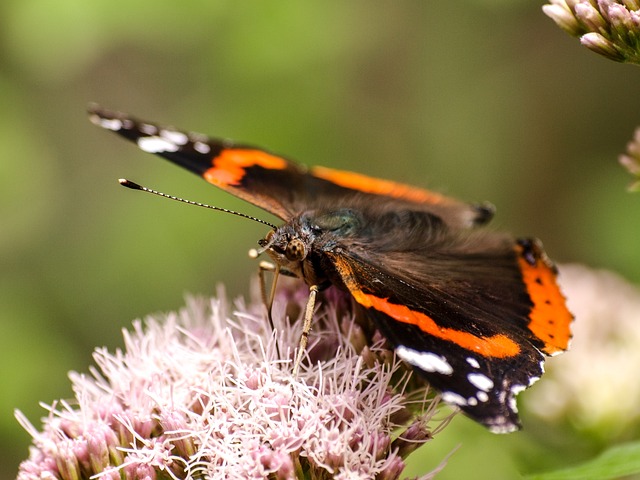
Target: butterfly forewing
<point x="280" y="186"/>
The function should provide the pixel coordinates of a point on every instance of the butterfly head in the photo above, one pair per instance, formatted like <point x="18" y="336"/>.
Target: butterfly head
<point x="284" y="245"/>
<point x="292" y="245"/>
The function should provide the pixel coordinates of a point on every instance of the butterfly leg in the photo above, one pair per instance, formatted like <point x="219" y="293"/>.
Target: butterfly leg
<point x="306" y="327"/>
<point x="268" y="300"/>
<point x="277" y="271"/>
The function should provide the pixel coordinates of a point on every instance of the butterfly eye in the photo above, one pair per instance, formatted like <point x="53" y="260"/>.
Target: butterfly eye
<point x="296" y="250"/>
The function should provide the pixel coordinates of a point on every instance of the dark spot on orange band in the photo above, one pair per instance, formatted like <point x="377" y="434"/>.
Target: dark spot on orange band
<point x="230" y="166"/>
<point x="550" y="320"/>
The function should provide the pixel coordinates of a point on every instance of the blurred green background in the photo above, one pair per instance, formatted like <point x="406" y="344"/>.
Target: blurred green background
<point x="483" y="100"/>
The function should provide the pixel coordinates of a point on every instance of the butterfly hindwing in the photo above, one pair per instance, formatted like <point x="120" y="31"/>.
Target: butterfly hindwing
<point x="471" y="333"/>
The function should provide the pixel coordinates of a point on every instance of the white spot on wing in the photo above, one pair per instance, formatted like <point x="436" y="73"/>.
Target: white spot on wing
<point x="201" y="147"/>
<point x="178" y="138"/>
<point x="473" y="362"/>
<point x="482" y="396"/>
<point x="504" y="426"/>
<point x="480" y="381"/>
<point x="108" y="123"/>
<point x="156" y="145"/>
<point x="148" y="129"/>
<point x="427" y="361"/>
<point x="513" y="406"/>
<point x="454" y="399"/>
<point x="515" y="390"/>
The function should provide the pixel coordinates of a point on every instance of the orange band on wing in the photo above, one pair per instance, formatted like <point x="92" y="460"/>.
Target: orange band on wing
<point x="495" y="346"/>
<point x="550" y="320"/>
<point x="229" y="168"/>
<point x="363" y="183"/>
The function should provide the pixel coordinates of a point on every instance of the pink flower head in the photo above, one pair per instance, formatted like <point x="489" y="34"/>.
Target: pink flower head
<point x="205" y="393"/>
<point x="608" y="27"/>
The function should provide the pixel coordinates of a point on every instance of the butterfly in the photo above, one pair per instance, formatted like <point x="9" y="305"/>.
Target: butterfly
<point x="472" y="310"/>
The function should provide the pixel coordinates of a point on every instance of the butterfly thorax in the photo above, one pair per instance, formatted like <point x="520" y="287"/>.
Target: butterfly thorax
<point x="298" y="245"/>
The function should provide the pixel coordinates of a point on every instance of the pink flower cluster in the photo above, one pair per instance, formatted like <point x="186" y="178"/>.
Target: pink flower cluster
<point x="205" y="393"/>
<point x="608" y="27"/>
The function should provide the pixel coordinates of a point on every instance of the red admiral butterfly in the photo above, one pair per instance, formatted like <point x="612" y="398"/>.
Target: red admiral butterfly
<point x="473" y="311"/>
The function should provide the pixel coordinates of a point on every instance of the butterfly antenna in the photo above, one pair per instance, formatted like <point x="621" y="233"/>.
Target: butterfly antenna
<point x="134" y="186"/>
